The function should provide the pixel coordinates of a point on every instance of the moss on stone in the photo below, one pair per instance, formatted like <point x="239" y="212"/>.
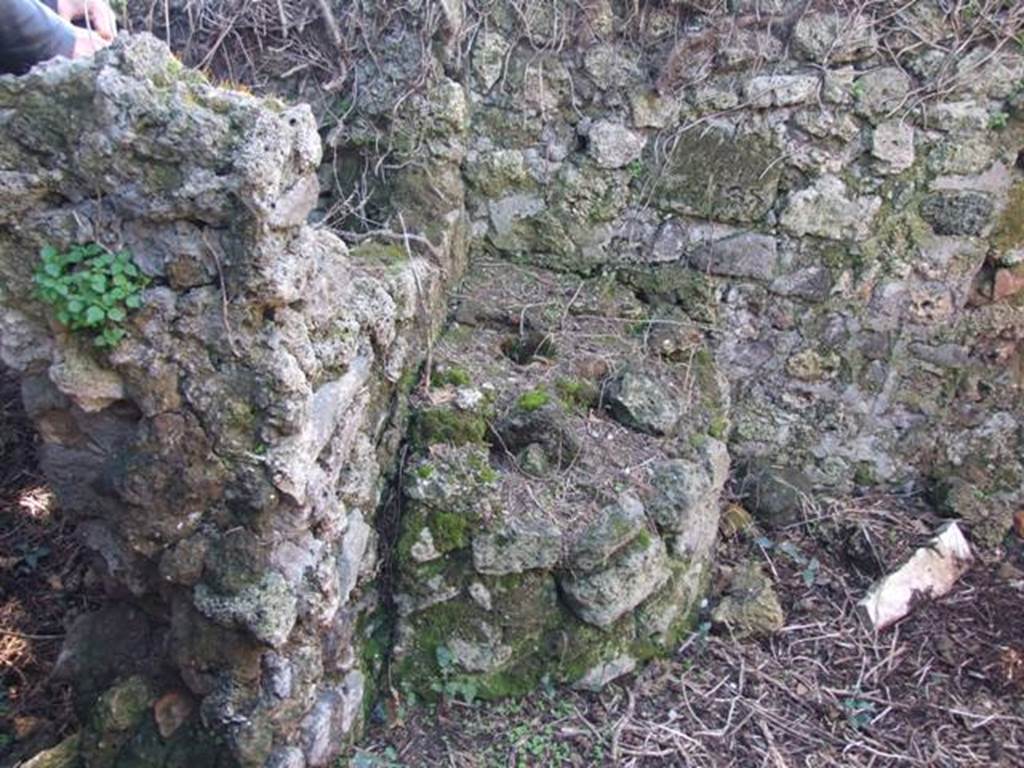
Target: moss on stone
<point x="454" y="376"/>
<point x="577" y="394"/>
<point x="446" y="425"/>
<point x="374" y="252"/>
<point x="450" y="530"/>
<point x="672" y="284"/>
<point x="1008" y="234"/>
<point x="533" y="400"/>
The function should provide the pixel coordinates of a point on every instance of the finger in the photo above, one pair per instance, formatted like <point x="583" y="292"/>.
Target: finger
<point x="102" y="19"/>
<point x="87" y="43"/>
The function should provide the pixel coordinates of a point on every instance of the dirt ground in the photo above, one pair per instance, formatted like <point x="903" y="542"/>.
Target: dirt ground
<point x="943" y="688"/>
<point x="42" y="586"/>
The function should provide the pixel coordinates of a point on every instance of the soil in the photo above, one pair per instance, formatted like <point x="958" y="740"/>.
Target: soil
<point x="42" y="587"/>
<point x="945" y="687"/>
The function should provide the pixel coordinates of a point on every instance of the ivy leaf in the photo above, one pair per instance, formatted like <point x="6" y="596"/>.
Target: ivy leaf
<point x="94" y="315"/>
<point x="116" y="314"/>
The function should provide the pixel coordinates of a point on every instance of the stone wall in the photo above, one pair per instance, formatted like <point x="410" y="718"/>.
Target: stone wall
<point x="831" y="191"/>
<point x="225" y="460"/>
<point x="785" y="232"/>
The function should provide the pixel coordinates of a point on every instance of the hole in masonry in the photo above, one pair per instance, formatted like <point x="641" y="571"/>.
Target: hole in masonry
<point x="529" y="347"/>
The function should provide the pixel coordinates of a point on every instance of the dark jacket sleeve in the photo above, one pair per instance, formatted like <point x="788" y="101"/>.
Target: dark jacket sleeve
<point x="31" y="33"/>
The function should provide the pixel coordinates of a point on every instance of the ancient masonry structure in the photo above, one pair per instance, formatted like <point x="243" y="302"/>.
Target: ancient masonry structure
<point x="759" y="244"/>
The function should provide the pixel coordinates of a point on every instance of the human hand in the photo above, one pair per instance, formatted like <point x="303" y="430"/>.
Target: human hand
<point x="87" y="43"/>
<point x="97" y="14"/>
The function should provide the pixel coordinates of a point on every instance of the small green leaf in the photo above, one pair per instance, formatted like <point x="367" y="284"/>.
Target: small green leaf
<point x="94" y="315"/>
<point x="116" y="314"/>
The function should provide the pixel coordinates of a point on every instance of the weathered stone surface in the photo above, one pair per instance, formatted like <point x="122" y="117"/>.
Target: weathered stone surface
<point x="892" y="144"/>
<point x="64" y="755"/>
<point x="832" y="38"/>
<point x="881" y="91"/>
<point x="516" y="546"/>
<point x="747" y="254"/>
<point x="599" y="676"/>
<point x="826" y="209"/>
<point x="615" y="526"/>
<point x="643" y="403"/>
<point x="780" y="90"/>
<point x="613" y="145"/>
<point x="958" y="213"/>
<point x="331" y="718"/>
<point x="545" y="427"/>
<point x="651" y="110"/>
<point x="242" y="409"/>
<point x="488" y="58"/>
<point x="605" y="595"/>
<point x="852" y="319"/>
<point x="686" y="497"/>
<point x="750" y="607"/>
<point x="715" y="174"/>
<point x="776" y="496"/>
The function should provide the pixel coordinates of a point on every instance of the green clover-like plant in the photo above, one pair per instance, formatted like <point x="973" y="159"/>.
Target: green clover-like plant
<point x="90" y="289"/>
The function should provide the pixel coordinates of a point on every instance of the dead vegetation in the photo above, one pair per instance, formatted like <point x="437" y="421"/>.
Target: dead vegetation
<point x="42" y="585"/>
<point x="943" y="688"/>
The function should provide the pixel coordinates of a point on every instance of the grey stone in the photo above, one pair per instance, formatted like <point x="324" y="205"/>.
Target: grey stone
<point x="809" y="284"/>
<point x="685" y="500"/>
<point x="488" y="58"/>
<point x="423" y="549"/>
<point x="613" y="145"/>
<point x="776" y="496"/>
<point x="81" y="378"/>
<point x="892" y="144"/>
<point x="833" y="38"/>
<point x="546" y="427"/>
<point x="485" y="654"/>
<point x="767" y="91"/>
<point x="610" y="66"/>
<point x="332" y="717"/>
<point x="287" y="757"/>
<point x="957" y="213"/>
<point x="670" y="243"/>
<point x="748" y="254"/>
<point x="614" y="527"/>
<point x="750" y="608"/>
<point x="65" y="755"/>
<point x="643" y="403"/>
<point x="881" y="91"/>
<point x="604" y="596"/>
<point x="825" y="209"/>
<point x="961" y="155"/>
<point x="653" y="110"/>
<point x="267" y="609"/>
<point x="517" y="545"/>
<point x="598" y="676"/>
<point x="716" y="174"/>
